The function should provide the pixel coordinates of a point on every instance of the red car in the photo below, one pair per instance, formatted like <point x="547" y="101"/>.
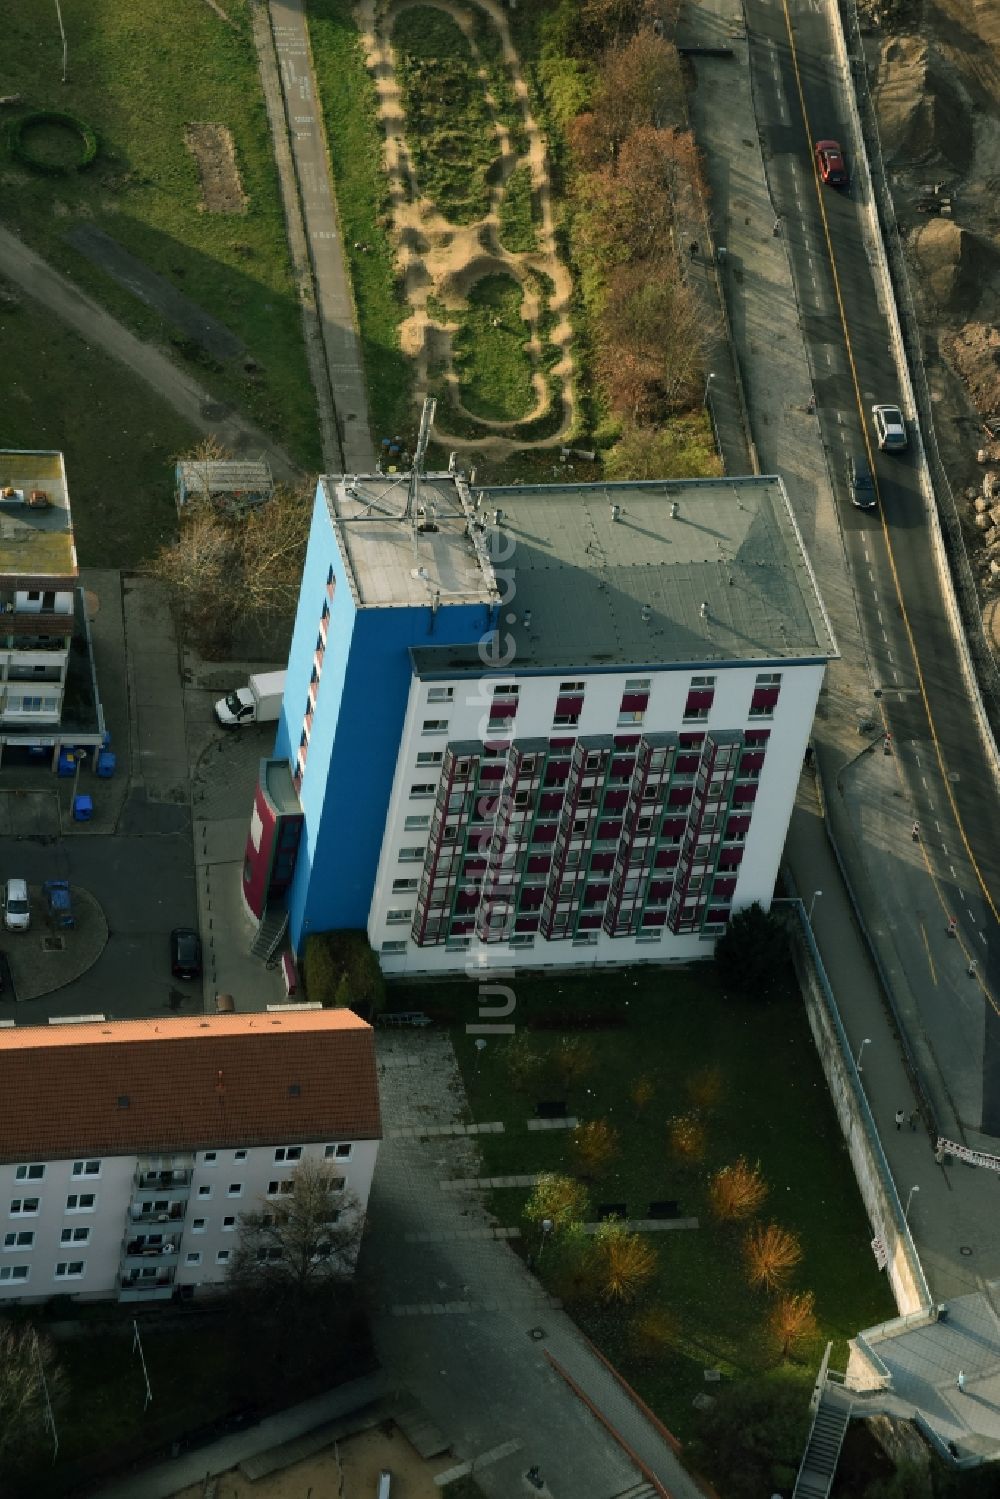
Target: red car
<point x="830" y="160"/>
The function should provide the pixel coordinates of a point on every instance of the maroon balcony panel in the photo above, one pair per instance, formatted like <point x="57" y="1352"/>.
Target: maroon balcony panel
<point x="539" y="863"/>
<point x="723" y="889"/>
<point x="765" y="697"/>
<point x="699" y="698"/>
<point x="659" y="890"/>
<point x="753" y="760"/>
<point x="687" y="764"/>
<point x="691" y="741"/>
<point x="670" y="857"/>
<point x="503" y="707"/>
<point x="680" y="796"/>
<point x="462" y="928"/>
<point x="616" y="801"/>
<point x="673" y="827"/>
<point x="491" y="773"/>
<point x="654" y="918"/>
<point x="622" y="765"/>
<point x="526" y="924"/>
<point x="626" y="742"/>
<point x="609" y="829"/>
<point x="635" y="702"/>
<point x="744" y="795"/>
<point x="532" y="898"/>
<point x="755" y="737"/>
<point x="603" y="863"/>
<point x="561" y="744"/>
<point x="544" y="833"/>
<point x="589" y="920"/>
<point x="550" y="802"/>
<point x="738" y="823"/>
<point x="717" y="915"/>
<point x="466" y="902"/>
<point x="731" y="858"/>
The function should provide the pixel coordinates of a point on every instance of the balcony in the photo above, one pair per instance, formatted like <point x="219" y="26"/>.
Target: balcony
<point x="158" y="1210"/>
<point x="148" y="1251"/>
<point x="175" y="1182"/>
<point x="152" y="1283"/>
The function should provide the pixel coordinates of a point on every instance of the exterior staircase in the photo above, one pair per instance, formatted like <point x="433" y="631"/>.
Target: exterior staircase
<point x="270" y="933"/>
<point x="640" y="1491"/>
<point x="819" y="1463"/>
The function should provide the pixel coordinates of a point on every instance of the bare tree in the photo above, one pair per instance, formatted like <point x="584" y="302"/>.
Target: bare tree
<point x="301" y="1241"/>
<point x="770" y="1254"/>
<point x="29" y="1379"/>
<point x="626" y="1261"/>
<point x="736" y="1191"/>
<point x="793" y="1320"/>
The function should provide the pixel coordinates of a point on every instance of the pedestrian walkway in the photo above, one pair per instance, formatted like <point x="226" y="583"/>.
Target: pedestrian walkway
<point x="334" y="292"/>
<point x="472" y="1328"/>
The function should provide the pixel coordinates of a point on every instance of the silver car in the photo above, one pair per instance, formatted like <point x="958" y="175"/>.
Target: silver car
<point x="890" y="428"/>
<point x="16" y="906"/>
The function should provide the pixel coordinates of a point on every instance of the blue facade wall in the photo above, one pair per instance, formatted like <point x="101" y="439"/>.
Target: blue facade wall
<point x="356" y="731"/>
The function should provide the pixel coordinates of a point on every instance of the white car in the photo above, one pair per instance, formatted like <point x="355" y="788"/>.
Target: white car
<point x="16" y="906"/>
<point x="890" y="428"/>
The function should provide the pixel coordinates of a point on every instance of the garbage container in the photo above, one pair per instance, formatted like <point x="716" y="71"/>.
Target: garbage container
<point x="107" y="760"/>
<point x="67" y="762"/>
<point x="83" y="808"/>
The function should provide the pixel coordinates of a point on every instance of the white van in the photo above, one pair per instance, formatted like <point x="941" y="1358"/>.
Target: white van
<point x="16" y="906"/>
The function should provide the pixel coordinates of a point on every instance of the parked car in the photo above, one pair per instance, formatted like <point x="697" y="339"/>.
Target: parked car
<point x="860" y="484"/>
<point x="16" y="906"/>
<point x="185" y="953"/>
<point x="59" y="902"/>
<point x="831" y="163"/>
<point x="890" y="428"/>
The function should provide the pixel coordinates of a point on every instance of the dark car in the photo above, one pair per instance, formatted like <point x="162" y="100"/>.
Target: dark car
<point x="831" y="163"/>
<point x="185" y="953"/>
<point x="860" y="484"/>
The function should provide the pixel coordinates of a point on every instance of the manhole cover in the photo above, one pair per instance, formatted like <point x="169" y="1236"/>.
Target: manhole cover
<point x="53" y="944"/>
<point x="965" y="1249"/>
<point x="537" y="1334"/>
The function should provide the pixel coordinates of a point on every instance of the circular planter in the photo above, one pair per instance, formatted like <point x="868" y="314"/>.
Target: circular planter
<point x="20" y="142"/>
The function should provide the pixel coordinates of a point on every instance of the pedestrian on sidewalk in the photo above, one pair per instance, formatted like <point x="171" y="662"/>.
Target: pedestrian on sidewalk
<point x="900" y="1116"/>
<point x="960" y="1381"/>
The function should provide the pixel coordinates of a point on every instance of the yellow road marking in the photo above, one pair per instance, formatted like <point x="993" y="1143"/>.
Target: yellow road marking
<point x="930" y="959"/>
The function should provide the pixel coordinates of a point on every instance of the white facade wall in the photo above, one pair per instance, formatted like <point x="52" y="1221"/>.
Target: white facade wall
<point x="110" y="1225"/>
<point x="467" y="718"/>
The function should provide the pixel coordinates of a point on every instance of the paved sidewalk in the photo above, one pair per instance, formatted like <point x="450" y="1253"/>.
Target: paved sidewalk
<point x="465" y="1324"/>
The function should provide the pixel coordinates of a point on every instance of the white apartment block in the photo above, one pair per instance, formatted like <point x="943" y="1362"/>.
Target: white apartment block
<point x="129" y="1149"/>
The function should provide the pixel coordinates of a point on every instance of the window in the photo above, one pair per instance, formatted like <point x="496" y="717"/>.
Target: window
<point x="390" y="948"/>
<point x="198" y="1226"/>
<point x="70" y="1269"/>
<point x="210" y="1157"/>
<point x="24" y="1207"/>
<point x="235" y="1189"/>
<point x="239" y="1155"/>
<point x="440" y="694"/>
<point x="204" y="1191"/>
<point x="21" y="1239"/>
<point x="435" y="726"/>
<point x="80" y="1202"/>
<point x="14" y="1272"/>
<point x="228" y="1224"/>
<point x="222" y="1256"/>
<point x="280" y="1188"/>
<point x="32" y="1173"/>
<point x="338" y="1152"/>
<point x="430" y="757"/>
<point x="75" y="1236"/>
<point x="86" y="1168"/>
<point x="637" y="684"/>
<point x="571" y="686"/>
<point x="398" y="915"/>
<point x="416" y="824"/>
<point x="288" y="1153"/>
<point x="193" y="1257"/>
<point x="423" y="788"/>
<point x="412" y="854"/>
<point x="399" y="886"/>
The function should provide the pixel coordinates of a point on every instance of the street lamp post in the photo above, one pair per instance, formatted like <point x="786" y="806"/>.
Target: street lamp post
<point x="708" y="387"/>
<point x="861" y="1051"/>
<point x="815" y="896"/>
<point x="909" y="1199"/>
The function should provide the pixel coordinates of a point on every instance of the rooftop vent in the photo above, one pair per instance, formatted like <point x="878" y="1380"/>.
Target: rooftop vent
<point x="497" y="517"/>
<point x="674" y="509"/>
<point x="703" y="611"/>
<point x="123" y="1101"/>
<point x="526" y="619"/>
<point x="647" y="614"/>
<point x="616" y="511"/>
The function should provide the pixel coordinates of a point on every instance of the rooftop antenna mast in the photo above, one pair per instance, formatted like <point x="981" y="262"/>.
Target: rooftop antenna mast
<point x="423" y="438"/>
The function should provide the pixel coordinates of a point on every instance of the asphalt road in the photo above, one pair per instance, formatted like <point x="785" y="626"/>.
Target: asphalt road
<point x="945" y="780"/>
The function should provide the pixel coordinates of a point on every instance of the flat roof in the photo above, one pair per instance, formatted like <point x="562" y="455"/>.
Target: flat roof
<point x="667" y="572"/>
<point x="35" y="541"/>
<point x="404" y="550"/>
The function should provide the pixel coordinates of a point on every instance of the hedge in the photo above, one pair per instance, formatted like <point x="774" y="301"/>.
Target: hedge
<point x="339" y="969"/>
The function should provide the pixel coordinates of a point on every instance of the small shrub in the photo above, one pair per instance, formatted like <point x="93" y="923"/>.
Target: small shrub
<point x="626" y="1262"/>
<point x="792" y="1320"/>
<point x="558" y="1198"/>
<point x="705" y="1089"/>
<point x="339" y="968"/>
<point x="523" y="1062"/>
<point x="686" y="1138"/>
<point x="595" y="1145"/>
<point x="736" y="1191"/>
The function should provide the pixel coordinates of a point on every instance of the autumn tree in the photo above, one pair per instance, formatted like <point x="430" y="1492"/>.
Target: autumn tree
<point x="770" y="1254"/>
<point x="595" y="1145"/>
<point x="736" y="1191"/>
<point x="626" y="1262"/>
<point x="601" y="22"/>
<point x="522" y="1061"/>
<point x="625" y="212"/>
<point x="573" y="1059"/>
<point x="686" y="1138"/>
<point x="639" y="84"/>
<point x="652" y="343"/>
<point x="684" y="448"/>
<point x="559" y="1199"/>
<point x="793" y="1320"/>
<point x="28" y="1371"/>
<point x="295" y="1244"/>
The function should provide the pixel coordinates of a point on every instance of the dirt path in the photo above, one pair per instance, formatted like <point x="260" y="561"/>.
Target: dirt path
<point x="37" y="279"/>
<point x="442" y="261"/>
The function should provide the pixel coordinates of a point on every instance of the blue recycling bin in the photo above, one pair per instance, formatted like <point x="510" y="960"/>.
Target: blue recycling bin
<point x="107" y="760"/>
<point x="83" y="808"/>
<point x="67" y="762"/>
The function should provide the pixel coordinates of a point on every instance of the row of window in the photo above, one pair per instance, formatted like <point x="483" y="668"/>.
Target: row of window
<point x="77" y="1269"/>
<point x="29" y="1207"/>
<point x="34" y="1171"/>
<point x="24" y="1238"/>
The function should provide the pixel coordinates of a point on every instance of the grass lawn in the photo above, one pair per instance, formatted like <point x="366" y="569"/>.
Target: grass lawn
<point x="347" y="95"/>
<point x="449" y="130"/>
<point x="492" y="363"/>
<point x="138" y="73"/>
<point x="120" y="441"/>
<point x="772" y="1106"/>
